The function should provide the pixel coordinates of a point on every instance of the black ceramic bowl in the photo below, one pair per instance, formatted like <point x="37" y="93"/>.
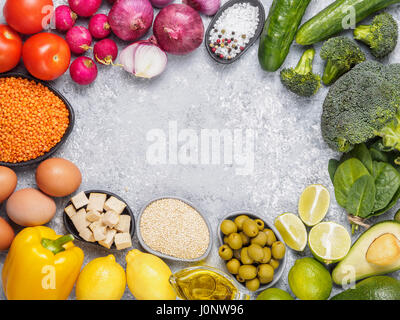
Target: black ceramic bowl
<point x="260" y="26"/>
<point x="72" y="230"/>
<point x="66" y="134"/>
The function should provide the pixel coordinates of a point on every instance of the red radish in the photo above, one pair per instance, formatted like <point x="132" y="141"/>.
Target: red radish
<point x="78" y="39"/>
<point x="83" y="70"/>
<point x="84" y="8"/>
<point x="99" y="27"/>
<point x="131" y="19"/>
<point x="65" y="18"/>
<point x="178" y="29"/>
<point x="160" y="3"/>
<point x="105" y="51"/>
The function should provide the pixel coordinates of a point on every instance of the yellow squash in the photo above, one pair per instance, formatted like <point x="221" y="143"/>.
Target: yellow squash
<point x="41" y="265"/>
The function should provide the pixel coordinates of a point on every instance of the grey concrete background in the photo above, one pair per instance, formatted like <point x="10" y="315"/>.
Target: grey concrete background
<point x="115" y="113"/>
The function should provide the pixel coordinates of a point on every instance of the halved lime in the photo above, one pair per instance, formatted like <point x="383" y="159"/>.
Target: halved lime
<point x="314" y="204"/>
<point x="292" y="230"/>
<point x="329" y="242"/>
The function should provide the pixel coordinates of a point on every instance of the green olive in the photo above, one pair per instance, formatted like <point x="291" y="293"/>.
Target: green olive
<point x="228" y="227"/>
<point x="239" y="278"/>
<point x="239" y="221"/>
<point x="260" y="224"/>
<point x="278" y="250"/>
<point x="271" y="238"/>
<point x="265" y="273"/>
<point x="274" y="263"/>
<point x="253" y="284"/>
<point x="244" y="256"/>
<point x="260" y="239"/>
<point x="247" y="272"/>
<point x="250" y="228"/>
<point x="235" y="241"/>
<point x="267" y="255"/>
<point x="245" y="239"/>
<point x="225" y="252"/>
<point x="233" y="266"/>
<point x="255" y="252"/>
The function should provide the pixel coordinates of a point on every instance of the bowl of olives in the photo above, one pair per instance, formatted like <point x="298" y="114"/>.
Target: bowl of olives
<point x="253" y="250"/>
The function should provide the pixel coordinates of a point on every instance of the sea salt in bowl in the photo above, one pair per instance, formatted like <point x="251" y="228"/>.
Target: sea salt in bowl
<point x="172" y="228"/>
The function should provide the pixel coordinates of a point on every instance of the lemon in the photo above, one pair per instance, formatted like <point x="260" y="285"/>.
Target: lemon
<point x="101" y="279"/>
<point x="292" y="230"/>
<point x="309" y="280"/>
<point x="274" y="294"/>
<point x="314" y="204"/>
<point x="329" y="242"/>
<point x="148" y="277"/>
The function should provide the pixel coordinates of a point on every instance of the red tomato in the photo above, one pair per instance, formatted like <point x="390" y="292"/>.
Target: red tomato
<point x="28" y="16"/>
<point x="46" y="56"/>
<point x="10" y="48"/>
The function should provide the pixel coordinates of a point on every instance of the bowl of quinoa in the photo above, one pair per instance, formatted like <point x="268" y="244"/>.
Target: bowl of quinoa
<point x="35" y="120"/>
<point x="172" y="228"/>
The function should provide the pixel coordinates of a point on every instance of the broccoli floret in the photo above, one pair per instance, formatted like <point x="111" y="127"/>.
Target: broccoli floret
<point x="381" y="36"/>
<point x="341" y="54"/>
<point x="361" y="105"/>
<point x="301" y="80"/>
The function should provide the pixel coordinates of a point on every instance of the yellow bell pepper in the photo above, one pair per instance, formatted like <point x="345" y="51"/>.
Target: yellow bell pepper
<point x="41" y="265"/>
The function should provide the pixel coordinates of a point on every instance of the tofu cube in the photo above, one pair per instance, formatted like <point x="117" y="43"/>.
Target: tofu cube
<point x="113" y="204"/>
<point x="70" y="211"/>
<point x="87" y="235"/>
<point x="110" y="219"/>
<point x="79" y="220"/>
<point x="99" y="233"/>
<point x="123" y="240"/>
<point x="124" y="223"/>
<point x="80" y="200"/>
<point x="93" y="216"/>
<point x="95" y="225"/>
<point x="96" y="202"/>
<point x="108" y="241"/>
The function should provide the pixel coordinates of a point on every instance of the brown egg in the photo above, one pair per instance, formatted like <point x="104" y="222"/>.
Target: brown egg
<point x="30" y="207"/>
<point x="6" y="234"/>
<point x="8" y="182"/>
<point x="58" y="177"/>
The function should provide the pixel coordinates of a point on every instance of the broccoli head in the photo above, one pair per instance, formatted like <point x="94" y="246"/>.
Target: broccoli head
<point x="341" y="54"/>
<point x="381" y="36"/>
<point x="361" y="105"/>
<point x="301" y="80"/>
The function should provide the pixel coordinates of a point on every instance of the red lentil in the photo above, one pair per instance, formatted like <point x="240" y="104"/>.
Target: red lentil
<point x="32" y="119"/>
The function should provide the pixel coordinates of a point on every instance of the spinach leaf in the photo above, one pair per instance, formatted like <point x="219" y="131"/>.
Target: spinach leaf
<point x="346" y="174"/>
<point x="387" y="182"/>
<point x="391" y="204"/>
<point x="333" y="164"/>
<point x="361" y="152"/>
<point x="378" y="155"/>
<point x="361" y="198"/>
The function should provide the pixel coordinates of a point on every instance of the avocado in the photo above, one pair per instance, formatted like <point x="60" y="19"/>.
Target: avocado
<point x="375" y="252"/>
<point x="374" y="288"/>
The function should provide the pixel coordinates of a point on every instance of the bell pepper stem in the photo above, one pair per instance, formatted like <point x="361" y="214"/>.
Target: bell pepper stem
<point x="56" y="246"/>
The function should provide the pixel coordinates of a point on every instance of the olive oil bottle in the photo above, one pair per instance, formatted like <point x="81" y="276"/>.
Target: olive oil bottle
<point x="205" y="283"/>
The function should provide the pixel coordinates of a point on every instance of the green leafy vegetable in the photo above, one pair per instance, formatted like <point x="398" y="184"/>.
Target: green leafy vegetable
<point x="387" y="182"/>
<point x="361" y="197"/>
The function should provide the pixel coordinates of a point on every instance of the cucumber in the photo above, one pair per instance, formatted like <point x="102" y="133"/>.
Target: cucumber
<point x="329" y="21"/>
<point x="279" y="31"/>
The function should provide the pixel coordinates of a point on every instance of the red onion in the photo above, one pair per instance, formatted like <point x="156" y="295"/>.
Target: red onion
<point x="99" y="27"/>
<point x="208" y="7"/>
<point x="160" y="3"/>
<point x="65" y="18"/>
<point x="131" y="19"/>
<point x="84" y="8"/>
<point x="83" y="70"/>
<point x="144" y="59"/>
<point x="78" y="39"/>
<point x="178" y="29"/>
<point x="105" y="51"/>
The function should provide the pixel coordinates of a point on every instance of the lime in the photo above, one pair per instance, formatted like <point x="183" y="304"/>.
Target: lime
<point x="309" y="280"/>
<point x="292" y="231"/>
<point x="314" y="204"/>
<point x="329" y="242"/>
<point x="274" y="294"/>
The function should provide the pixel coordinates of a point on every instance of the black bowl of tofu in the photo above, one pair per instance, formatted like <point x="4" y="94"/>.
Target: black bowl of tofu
<point x="101" y="218"/>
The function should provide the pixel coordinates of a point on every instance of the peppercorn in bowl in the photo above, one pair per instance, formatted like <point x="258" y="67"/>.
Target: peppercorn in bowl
<point x="35" y="120"/>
